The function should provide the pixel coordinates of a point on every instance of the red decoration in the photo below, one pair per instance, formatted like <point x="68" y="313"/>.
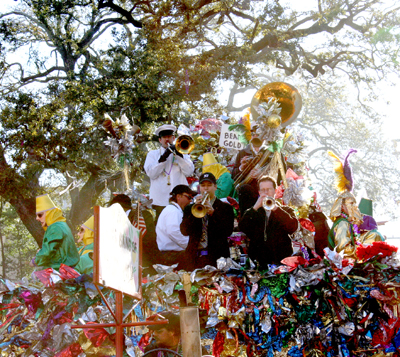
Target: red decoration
<point x="144" y="341"/>
<point x="71" y="351"/>
<point x="307" y="224"/>
<point x="44" y="276"/>
<point x="191" y="179"/>
<point x="218" y="345"/>
<point x="96" y="335"/>
<point x="279" y="191"/>
<point x="233" y="202"/>
<point x="67" y="272"/>
<point x="294" y="262"/>
<point x="291" y="174"/>
<point x="382" y="249"/>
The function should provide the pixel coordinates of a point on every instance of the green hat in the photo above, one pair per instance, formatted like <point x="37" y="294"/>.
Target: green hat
<point x="365" y="206"/>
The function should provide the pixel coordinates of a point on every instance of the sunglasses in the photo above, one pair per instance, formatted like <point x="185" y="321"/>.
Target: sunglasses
<point x="82" y="230"/>
<point x="40" y="215"/>
<point x="187" y="196"/>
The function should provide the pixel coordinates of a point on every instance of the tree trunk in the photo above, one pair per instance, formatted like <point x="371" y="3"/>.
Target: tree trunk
<point x="26" y="209"/>
<point x="3" y="256"/>
<point x="83" y="200"/>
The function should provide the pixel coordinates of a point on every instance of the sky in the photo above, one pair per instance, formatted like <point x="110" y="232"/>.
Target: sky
<point x="387" y="105"/>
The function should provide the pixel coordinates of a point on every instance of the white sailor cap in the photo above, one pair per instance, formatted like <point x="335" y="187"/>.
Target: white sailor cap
<point x="166" y="127"/>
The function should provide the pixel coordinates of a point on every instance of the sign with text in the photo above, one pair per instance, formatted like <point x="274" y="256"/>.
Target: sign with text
<point x="230" y="138"/>
<point x="116" y="251"/>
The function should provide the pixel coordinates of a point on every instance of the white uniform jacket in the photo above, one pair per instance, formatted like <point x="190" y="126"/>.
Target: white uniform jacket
<point x="169" y="236"/>
<point x="176" y="167"/>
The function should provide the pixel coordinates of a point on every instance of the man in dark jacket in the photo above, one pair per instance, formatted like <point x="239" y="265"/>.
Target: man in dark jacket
<point x="208" y="236"/>
<point x="268" y="230"/>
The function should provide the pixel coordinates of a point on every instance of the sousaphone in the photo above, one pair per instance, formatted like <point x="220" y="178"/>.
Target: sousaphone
<point x="286" y="95"/>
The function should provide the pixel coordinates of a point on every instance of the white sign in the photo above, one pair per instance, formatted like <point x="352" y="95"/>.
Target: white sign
<point x="230" y="139"/>
<point x="118" y="247"/>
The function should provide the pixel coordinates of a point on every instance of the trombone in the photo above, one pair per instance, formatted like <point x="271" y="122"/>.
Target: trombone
<point x="199" y="210"/>
<point x="269" y="203"/>
<point x="184" y="144"/>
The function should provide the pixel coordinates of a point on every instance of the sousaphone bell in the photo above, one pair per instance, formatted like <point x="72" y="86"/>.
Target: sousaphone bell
<point x="286" y="95"/>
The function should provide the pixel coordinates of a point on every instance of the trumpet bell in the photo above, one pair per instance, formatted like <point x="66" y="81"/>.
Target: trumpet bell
<point x="184" y="144"/>
<point x="269" y="203"/>
<point x="198" y="210"/>
<point x="286" y="95"/>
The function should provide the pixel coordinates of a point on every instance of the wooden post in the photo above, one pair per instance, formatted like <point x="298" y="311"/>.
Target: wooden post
<point x="190" y="331"/>
<point x="187" y="285"/>
<point x="119" y="340"/>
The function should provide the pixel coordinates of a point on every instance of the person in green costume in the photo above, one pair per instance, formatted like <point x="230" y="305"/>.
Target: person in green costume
<point x="86" y="235"/>
<point x="58" y="246"/>
<point x="348" y="229"/>
<point x="221" y="173"/>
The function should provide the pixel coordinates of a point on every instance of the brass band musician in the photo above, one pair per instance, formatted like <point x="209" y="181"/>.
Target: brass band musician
<point x="208" y="232"/>
<point x="268" y="228"/>
<point x="166" y="168"/>
<point x="248" y="193"/>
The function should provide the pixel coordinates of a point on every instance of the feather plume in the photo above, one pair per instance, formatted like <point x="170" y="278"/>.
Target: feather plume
<point x="245" y="120"/>
<point x="344" y="175"/>
<point x="242" y="130"/>
<point x="348" y="173"/>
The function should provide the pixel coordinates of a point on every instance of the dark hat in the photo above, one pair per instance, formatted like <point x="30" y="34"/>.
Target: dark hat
<point x="173" y="324"/>
<point x="123" y="200"/>
<point x="180" y="189"/>
<point x="207" y="176"/>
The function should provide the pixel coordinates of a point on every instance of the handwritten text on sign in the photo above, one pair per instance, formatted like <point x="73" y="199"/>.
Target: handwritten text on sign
<point x="230" y="139"/>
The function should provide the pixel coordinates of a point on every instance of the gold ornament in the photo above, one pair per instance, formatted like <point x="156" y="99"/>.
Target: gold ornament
<point x="274" y="121"/>
<point x="303" y="211"/>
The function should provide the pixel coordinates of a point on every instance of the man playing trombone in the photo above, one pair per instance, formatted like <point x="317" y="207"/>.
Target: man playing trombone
<point x="247" y="194"/>
<point x="268" y="226"/>
<point x="208" y="223"/>
<point x="166" y="168"/>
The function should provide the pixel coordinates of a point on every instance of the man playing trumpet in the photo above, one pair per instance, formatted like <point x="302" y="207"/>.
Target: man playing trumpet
<point x="208" y="224"/>
<point x="166" y="168"/>
<point x="268" y="226"/>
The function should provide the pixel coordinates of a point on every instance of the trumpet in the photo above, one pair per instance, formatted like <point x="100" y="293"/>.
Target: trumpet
<point x="269" y="203"/>
<point x="184" y="144"/>
<point x="199" y="210"/>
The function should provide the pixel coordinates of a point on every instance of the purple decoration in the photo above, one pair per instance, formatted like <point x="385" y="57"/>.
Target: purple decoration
<point x="347" y="170"/>
<point x="32" y="301"/>
<point x="368" y="224"/>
